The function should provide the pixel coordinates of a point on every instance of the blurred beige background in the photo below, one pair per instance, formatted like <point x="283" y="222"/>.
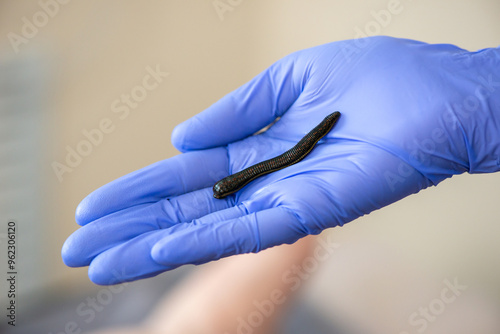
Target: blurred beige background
<point x="92" y="52"/>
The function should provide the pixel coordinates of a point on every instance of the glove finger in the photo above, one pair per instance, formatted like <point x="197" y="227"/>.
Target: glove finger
<point x="168" y="178"/>
<point x="111" y="230"/>
<point x="128" y="261"/>
<point x="243" y="111"/>
<point x="198" y="243"/>
<point x="131" y="260"/>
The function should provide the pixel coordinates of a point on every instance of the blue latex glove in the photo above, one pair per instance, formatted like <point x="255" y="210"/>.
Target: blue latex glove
<point x="413" y="114"/>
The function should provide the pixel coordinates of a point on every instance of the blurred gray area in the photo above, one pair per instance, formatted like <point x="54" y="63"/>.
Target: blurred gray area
<point x="97" y="308"/>
<point x="22" y="110"/>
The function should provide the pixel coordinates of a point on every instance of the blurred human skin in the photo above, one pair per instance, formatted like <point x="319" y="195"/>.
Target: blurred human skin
<point x="230" y="294"/>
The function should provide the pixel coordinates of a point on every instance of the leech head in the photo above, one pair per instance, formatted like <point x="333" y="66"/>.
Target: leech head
<point x="218" y="192"/>
<point x="333" y="117"/>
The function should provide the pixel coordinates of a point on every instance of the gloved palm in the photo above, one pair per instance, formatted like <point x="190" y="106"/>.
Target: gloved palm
<point x="400" y="131"/>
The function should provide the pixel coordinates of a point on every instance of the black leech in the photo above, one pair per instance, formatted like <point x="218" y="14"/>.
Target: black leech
<point x="236" y="181"/>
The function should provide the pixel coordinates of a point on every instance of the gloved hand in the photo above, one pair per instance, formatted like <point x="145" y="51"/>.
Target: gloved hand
<point x="413" y="114"/>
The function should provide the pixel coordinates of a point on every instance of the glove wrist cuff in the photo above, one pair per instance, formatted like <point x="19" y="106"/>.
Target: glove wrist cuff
<point x="482" y="123"/>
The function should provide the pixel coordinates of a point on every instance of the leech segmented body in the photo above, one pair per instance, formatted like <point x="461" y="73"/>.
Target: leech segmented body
<point x="236" y="181"/>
